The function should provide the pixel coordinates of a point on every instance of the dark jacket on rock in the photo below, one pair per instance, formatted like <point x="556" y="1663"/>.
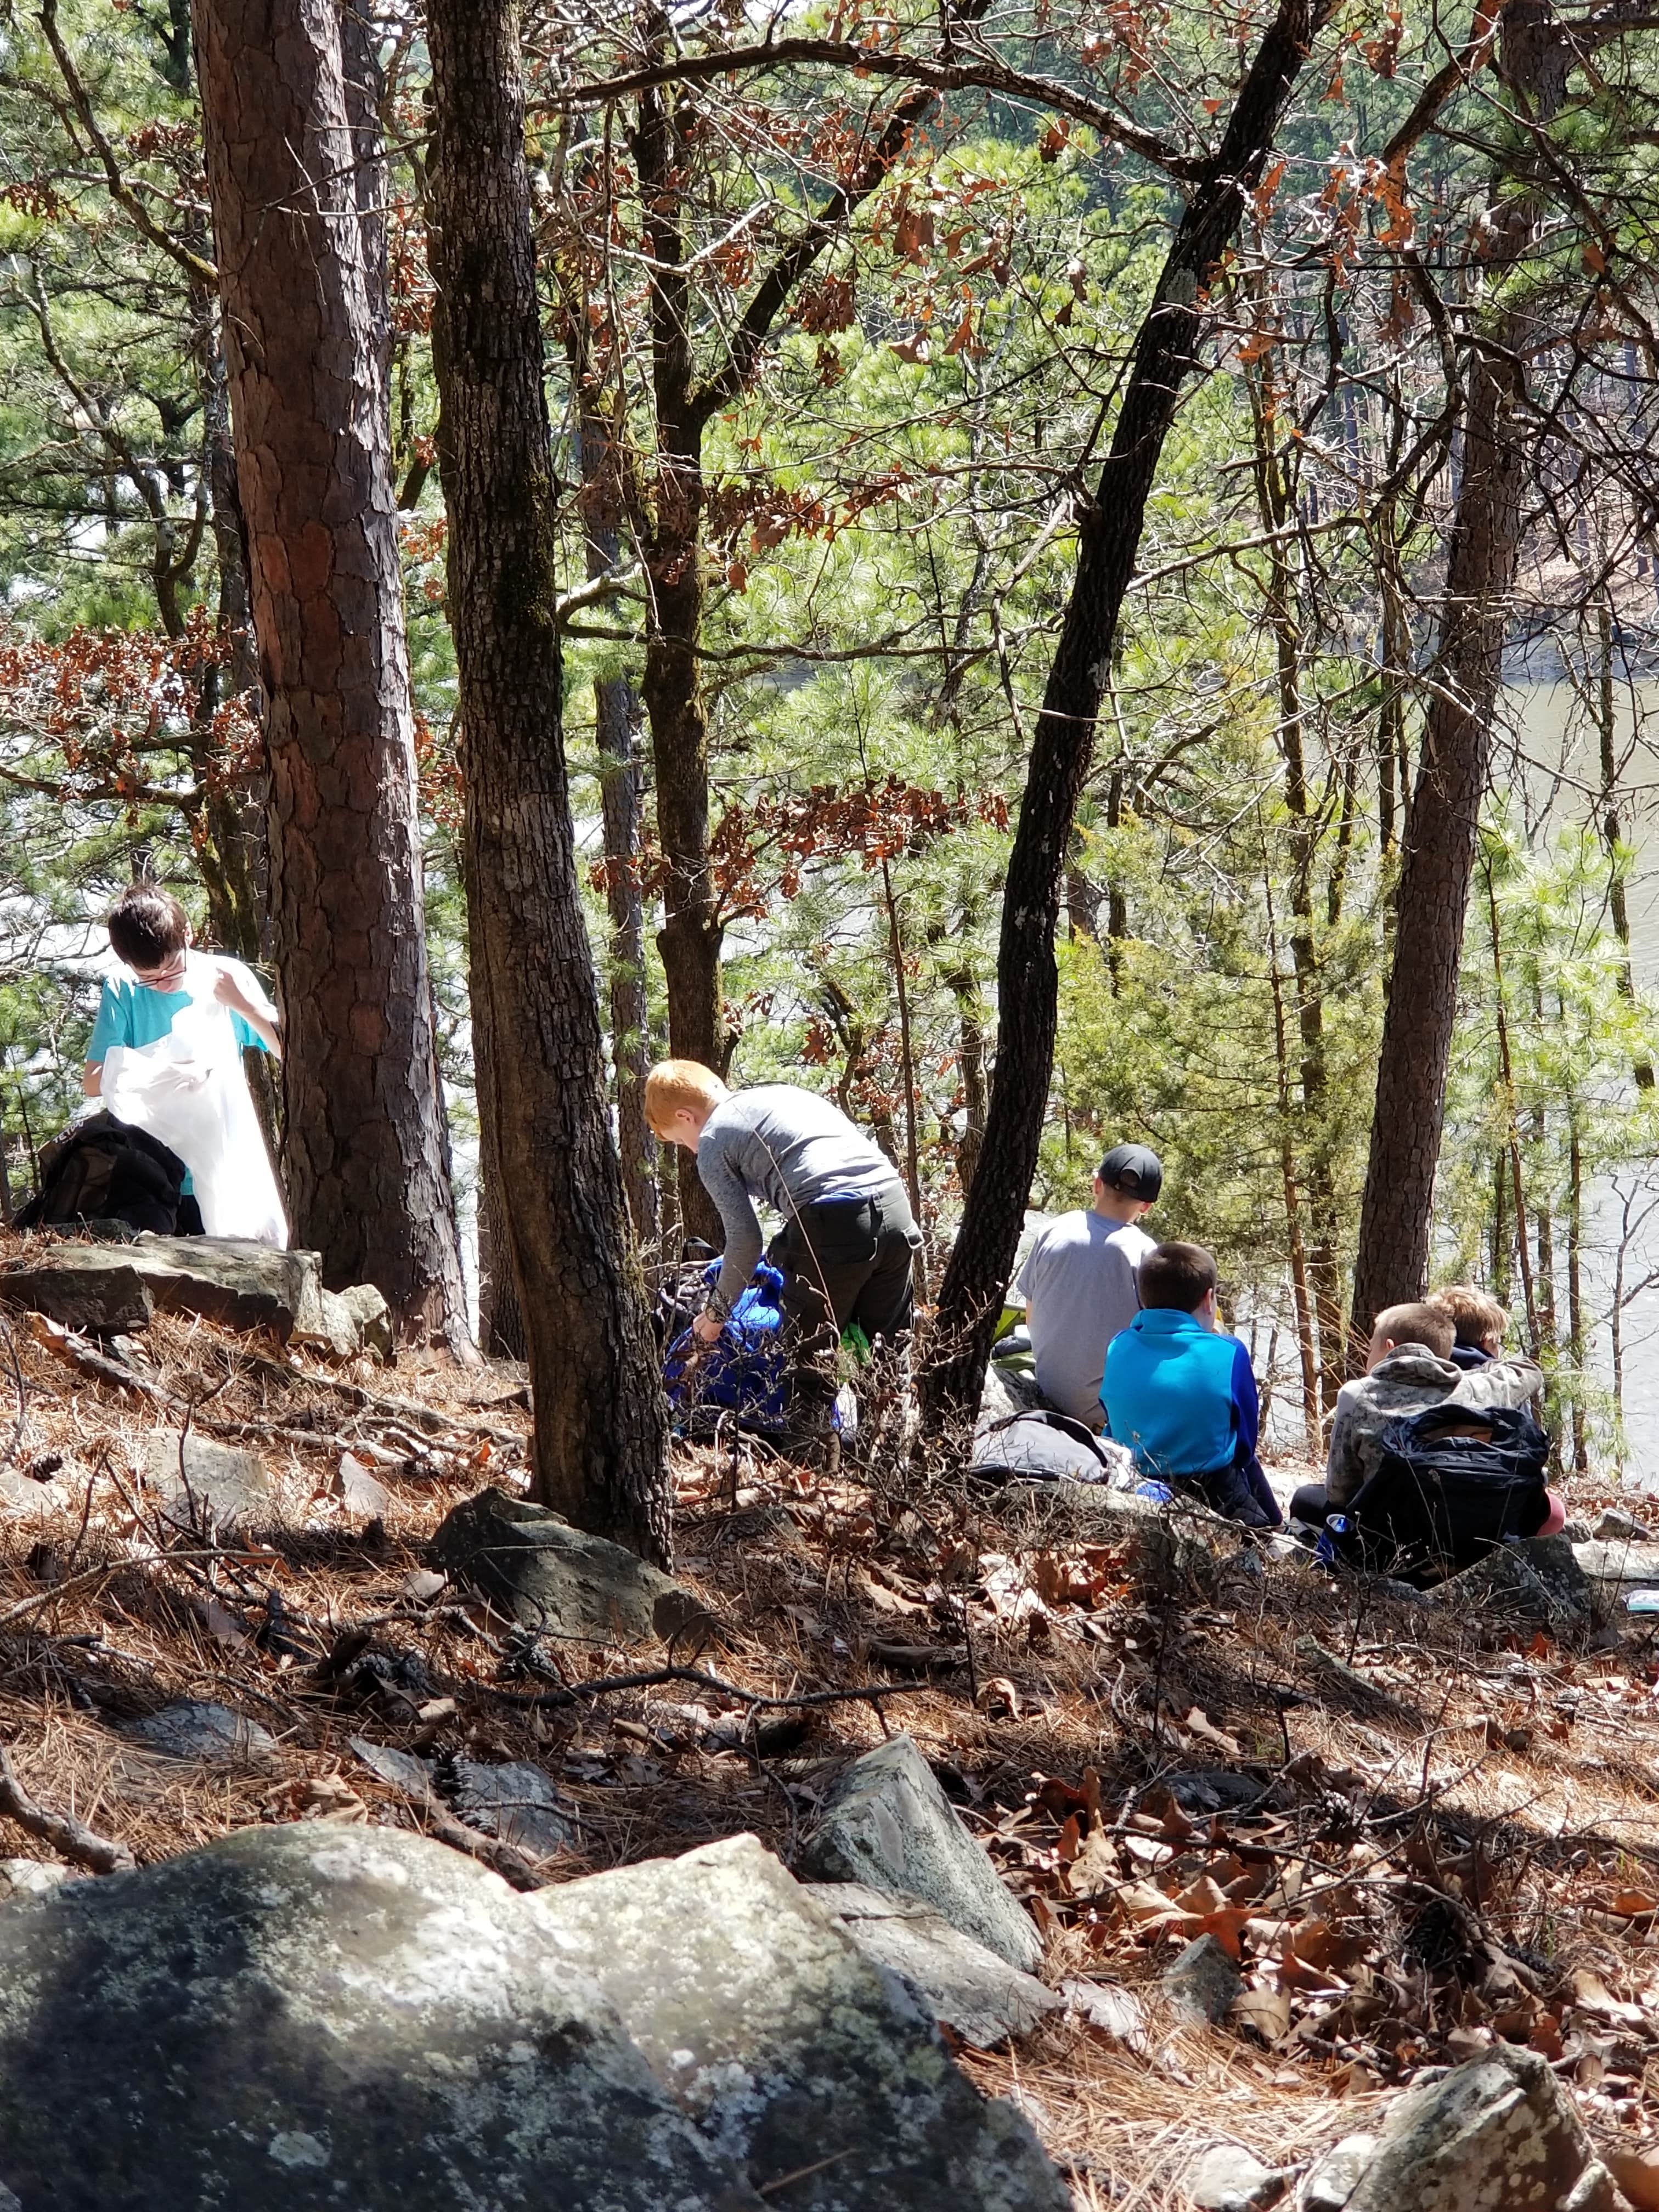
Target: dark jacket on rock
<point x="1410" y="1380"/>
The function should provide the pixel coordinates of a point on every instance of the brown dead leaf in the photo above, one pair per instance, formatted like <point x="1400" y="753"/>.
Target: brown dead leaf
<point x="1163" y="1808"/>
<point x="1000" y="1697"/>
<point x="1145" y="1907"/>
<point x="1202" y="1896"/>
<point x="1059" y="1798"/>
<point x="1591" y="1994"/>
<point x="1227" y="1924"/>
<point x="1096" y="1866"/>
<point x="1268" y="2012"/>
<point x="1637" y="2172"/>
<point x="1635" y="1905"/>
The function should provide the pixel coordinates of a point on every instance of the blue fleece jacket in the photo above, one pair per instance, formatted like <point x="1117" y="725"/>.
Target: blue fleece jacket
<point x="1180" y="1397"/>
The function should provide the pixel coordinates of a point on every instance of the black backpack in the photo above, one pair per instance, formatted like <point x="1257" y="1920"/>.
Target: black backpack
<point x="103" y="1171"/>
<point x="1454" y="1483"/>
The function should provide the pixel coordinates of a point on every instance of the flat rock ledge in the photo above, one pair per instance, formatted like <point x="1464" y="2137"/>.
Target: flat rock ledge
<point x="111" y="1289"/>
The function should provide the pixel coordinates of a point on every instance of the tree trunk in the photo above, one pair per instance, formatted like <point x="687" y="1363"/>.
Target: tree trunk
<point x="1441" y="829"/>
<point x="616" y="718"/>
<point x="684" y="404"/>
<point x="601" y="1424"/>
<point x="690" y="939"/>
<point x="500" y="1324"/>
<point x="364" y="1140"/>
<point x="1576" y="1339"/>
<point x="1276" y="502"/>
<point x="1439" y="845"/>
<point x="1109" y="527"/>
<point x="1607" y="809"/>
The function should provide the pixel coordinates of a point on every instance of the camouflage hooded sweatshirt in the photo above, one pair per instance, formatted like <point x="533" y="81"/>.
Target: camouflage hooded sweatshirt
<point x="1409" y="1380"/>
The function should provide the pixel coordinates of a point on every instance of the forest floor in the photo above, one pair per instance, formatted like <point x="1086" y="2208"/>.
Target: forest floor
<point x="1452" y="1831"/>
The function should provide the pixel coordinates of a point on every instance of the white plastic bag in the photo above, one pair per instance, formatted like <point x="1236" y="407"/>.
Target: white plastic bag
<point x="188" y="1090"/>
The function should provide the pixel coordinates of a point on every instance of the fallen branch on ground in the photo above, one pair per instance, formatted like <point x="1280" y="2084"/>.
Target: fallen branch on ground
<point x="655" y="1677"/>
<point x="70" y="1837"/>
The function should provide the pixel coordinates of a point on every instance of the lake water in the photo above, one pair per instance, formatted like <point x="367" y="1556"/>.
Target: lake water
<point x="1559" y="770"/>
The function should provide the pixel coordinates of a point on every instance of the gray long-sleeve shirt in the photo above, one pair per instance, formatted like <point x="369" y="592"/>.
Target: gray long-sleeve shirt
<point x="789" y="1147"/>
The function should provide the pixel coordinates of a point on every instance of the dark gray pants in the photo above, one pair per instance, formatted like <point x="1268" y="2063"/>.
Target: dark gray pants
<point x="848" y="1261"/>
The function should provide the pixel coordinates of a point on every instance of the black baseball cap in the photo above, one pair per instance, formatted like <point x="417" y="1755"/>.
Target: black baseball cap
<point x="1135" y="1169"/>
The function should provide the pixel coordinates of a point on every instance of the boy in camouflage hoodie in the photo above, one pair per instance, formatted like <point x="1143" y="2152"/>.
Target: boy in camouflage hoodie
<point x="1408" y="1368"/>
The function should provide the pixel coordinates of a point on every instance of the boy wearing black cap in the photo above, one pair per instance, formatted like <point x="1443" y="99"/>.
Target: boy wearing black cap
<point x="1078" y="1280"/>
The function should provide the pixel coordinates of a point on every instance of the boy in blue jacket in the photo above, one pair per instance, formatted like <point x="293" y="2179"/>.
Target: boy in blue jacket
<point x="1182" y="1394"/>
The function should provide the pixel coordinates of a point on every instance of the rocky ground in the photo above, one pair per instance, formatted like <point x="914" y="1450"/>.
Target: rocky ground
<point x="1253" y="1858"/>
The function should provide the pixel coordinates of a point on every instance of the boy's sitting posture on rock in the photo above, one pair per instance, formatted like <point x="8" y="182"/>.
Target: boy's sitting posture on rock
<point x="1181" y="1393"/>
<point x="1408" y="1368"/>
<point x="848" y="1237"/>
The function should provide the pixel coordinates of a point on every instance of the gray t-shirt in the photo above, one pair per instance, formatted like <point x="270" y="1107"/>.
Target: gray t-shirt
<point x="1078" y="1281"/>
<point x="789" y="1147"/>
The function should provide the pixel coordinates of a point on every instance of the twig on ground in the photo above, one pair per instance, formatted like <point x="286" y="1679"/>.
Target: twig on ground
<point x="655" y="1677"/>
<point x="20" y="1424"/>
<point x="71" y="1837"/>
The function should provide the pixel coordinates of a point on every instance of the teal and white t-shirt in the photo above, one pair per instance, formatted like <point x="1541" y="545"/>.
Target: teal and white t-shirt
<point x="131" y="1013"/>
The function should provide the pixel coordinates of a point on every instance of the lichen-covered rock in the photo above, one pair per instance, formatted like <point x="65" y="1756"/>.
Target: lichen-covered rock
<point x="1203" y="1982"/>
<point x="1228" y="2179"/>
<point x="303" y="2018"/>
<point x="1333" y="2177"/>
<point x="1541" y="1582"/>
<point x="376" y="1331"/>
<point x="195" y="1471"/>
<point x="1612" y="1566"/>
<point x="33" y="1877"/>
<point x="513" y="1801"/>
<point x="1497" y="2134"/>
<point x="961" y="1983"/>
<point x="536" y="1567"/>
<point x="197" y="1729"/>
<point x="790" y="2048"/>
<point x="888" y="1824"/>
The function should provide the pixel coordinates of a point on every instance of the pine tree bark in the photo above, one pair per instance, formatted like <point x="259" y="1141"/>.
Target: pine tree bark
<point x="1109" y="528"/>
<point x="364" y="1149"/>
<point x="615" y="715"/>
<point x="601" y="1424"/>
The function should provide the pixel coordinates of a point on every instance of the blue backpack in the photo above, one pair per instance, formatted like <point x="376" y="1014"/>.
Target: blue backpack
<point x="744" y="1371"/>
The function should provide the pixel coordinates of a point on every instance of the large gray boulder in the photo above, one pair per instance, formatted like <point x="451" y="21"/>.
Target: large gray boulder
<point x="535" y="1566"/>
<point x="316" y="2016"/>
<point x="962" y="1983"/>
<point x="792" y="2050"/>
<point x="1497" y="2134"/>
<point x="887" y="1823"/>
